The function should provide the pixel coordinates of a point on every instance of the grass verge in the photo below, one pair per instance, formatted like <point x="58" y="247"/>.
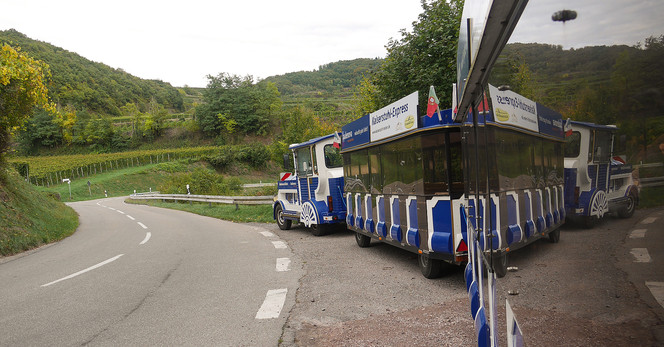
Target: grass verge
<point x="239" y="214"/>
<point x="29" y="218"/>
<point x="651" y="197"/>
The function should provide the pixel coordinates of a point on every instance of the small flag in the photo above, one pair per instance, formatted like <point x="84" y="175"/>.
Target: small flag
<point x="337" y="141"/>
<point x="568" y="127"/>
<point x="432" y="104"/>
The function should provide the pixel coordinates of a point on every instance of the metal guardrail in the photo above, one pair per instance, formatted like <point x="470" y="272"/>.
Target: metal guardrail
<point x="647" y="165"/>
<point x="233" y="200"/>
<point x="651" y="181"/>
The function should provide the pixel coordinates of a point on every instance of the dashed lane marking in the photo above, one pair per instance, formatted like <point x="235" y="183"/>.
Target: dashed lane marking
<point x="84" y="271"/>
<point x="657" y="290"/>
<point x="641" y="255"/>
<point x="120" y="212"/>
<point x="142" y="225"/>
<point x="649" y="220"/>
<point x="637" y="234"/>
<point x="283" y="264"/>
<point x="267" y="233"/>
<point x="274" y="302"/>
<point x="279" y="244"/>
<point x="147" y="237"/>
<point x="130" y="217"/>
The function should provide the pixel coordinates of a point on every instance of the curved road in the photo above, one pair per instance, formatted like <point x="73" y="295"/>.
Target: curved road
<point x="138" y="275"/>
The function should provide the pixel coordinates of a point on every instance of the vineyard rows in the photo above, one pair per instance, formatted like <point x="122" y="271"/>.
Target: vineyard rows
<point x="51" y="170"/>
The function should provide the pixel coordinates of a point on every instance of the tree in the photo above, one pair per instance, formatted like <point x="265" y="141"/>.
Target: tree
<point x="41" y="130"/>
<point x="251" y="106"/>
<point x="424" y="57"/>
<point x="22" y="87"/>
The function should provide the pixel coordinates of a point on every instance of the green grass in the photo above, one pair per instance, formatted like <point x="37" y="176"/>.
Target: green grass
<point x="120" y="182"/>
<point x="29" y="218"/>
<point x="241" y="214"/>
<point x="651" y="197"/>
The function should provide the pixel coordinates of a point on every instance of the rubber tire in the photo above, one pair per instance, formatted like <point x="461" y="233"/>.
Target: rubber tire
<point x="554" y="236"/>
<point x="319" y="229"/>
<point x="430" y="268"/>
<point x="362" y="240"/>
<point x="500" y="265"/>
<point x="589" y="222"/>
<point x="282" y="223"/>
<point x="628" y="211"/>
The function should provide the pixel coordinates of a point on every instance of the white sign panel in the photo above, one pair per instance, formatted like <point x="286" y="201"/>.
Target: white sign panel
<point x="395" y="118"/>
<point x="513" y="109"/>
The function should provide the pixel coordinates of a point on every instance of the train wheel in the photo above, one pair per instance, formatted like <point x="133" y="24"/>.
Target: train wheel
<point x="430" y="268"/>
<point x="318" y="229"/>
<point x="589" y="221"/>
<point x="283" y="223"/>
<point x="554" y="236"/>
<point x="500" y="264"/>
<point x="628" y="210"/>
<point x="362" y="240"/>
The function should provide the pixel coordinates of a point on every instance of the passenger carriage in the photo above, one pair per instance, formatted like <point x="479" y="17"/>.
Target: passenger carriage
<point x="406" y="186"/>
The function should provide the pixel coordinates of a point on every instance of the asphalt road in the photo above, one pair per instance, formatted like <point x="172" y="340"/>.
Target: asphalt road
<point x="136" y="275"/>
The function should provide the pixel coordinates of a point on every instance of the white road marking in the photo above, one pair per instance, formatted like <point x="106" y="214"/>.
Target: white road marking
<point x="657" y="290"/>
<point x="279" y="244"/>
<point x="274" y="302"/>
<point x="119" y="211"/>
<point x="649" y="220"/>
<point x="142" y="225"/>
<point x="267" y="233"/>
<point x="641" y="255"/>
<point x="147" y="237"/>
<point x="84" y="271"/>
<point x="130" y="217"/>
<point x="637" y="234"/>
<point x="283" y="264"/>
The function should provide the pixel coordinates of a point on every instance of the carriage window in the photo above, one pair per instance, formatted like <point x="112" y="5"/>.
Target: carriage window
<point x="456" y="171"/>
<point x="332" y="157"/>
<point x="374" y="167"/>
<point x="435" y="164"/>
<point x="573" y="145"/>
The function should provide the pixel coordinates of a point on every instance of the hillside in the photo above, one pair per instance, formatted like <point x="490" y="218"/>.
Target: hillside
<point x="327" y="91"/>
<point x="28" y="218"/>
<point x="92" y="86"/>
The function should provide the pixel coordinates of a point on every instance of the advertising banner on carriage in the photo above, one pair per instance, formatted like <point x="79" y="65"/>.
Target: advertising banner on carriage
<point x="355" y="133"/>
<point x="513" y="109"/>
<point x="395" y="118"/>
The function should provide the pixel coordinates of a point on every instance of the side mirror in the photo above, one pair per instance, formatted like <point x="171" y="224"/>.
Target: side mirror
<point x="288" y="163"/>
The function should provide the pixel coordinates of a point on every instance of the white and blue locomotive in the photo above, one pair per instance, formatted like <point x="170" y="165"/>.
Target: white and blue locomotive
<point x="313" y="194"/>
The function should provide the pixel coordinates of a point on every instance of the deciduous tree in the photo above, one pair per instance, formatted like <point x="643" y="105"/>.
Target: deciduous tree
<point x="22" y="87"/>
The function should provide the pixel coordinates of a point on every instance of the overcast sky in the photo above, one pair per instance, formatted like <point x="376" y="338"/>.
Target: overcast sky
<point x="181" y="42"/>
<point x="598" y="22"/>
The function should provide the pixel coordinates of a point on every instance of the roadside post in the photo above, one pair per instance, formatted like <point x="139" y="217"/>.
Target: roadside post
<point x="68" y="181"/>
